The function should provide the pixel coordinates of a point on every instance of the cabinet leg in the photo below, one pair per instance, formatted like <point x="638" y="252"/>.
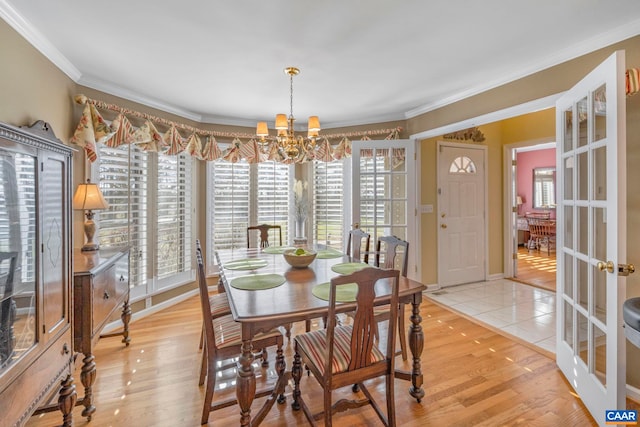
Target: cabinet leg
<point x="126" y="317"/>
<point x="88" y="377"/>
<point x="67" y="400"/>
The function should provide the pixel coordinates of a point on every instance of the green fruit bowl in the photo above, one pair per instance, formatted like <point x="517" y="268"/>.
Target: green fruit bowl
<point x="299" y="258"/>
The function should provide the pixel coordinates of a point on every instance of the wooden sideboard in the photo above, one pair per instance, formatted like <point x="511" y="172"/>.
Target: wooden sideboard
<point x="101" y="286"/>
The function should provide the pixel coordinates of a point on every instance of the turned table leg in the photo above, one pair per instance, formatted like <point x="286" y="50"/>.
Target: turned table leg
<point x="416" y="344"/>
<point x="246" y="383"/>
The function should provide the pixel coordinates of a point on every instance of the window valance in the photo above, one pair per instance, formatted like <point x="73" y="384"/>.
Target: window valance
<point x="93" y="129"/>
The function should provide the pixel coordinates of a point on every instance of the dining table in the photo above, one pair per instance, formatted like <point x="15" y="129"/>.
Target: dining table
<point x="265" y="292"/>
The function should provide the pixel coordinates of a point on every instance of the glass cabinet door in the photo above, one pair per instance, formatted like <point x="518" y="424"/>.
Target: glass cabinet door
<point x="18" y="219"/>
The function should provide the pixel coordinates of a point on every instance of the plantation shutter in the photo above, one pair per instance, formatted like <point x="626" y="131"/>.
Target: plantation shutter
<point x="173" y="250"/>
<point x="273" y="194"/>
<point x="124" y="185"/>
<point x="328" y="203"/>
<point x="229" y="203"/>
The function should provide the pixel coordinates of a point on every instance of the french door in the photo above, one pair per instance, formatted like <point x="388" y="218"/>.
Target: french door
<point x="384" y="192"/>
<point x="591" y="240"/>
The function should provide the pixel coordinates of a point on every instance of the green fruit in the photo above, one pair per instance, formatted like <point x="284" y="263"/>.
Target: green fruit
<point x="300" y="251"/>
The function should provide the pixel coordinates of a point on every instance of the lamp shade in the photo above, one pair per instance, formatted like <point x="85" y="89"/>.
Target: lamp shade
<point x="314" y="125"/>
<point x="89" y="197"/>
<point x="262" y="129"/>
<point x="281" y="122"/>
<point x="519" y="200"/>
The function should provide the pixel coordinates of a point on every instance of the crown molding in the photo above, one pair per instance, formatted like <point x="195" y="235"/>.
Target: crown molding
<point x="37" y="40"/>
<point x="600" y="41"/>
<point x="505" y="113"/>
<point x="115" y="90"/>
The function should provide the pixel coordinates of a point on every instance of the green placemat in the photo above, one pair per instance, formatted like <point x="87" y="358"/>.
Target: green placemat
<point x="328" y="253"/>
<point x="349" y="267"/>
<point x="344" y="293"/>
<point x="245" y="264"/>
<point x="276" y="249"/>
<point x="256" y="282"/>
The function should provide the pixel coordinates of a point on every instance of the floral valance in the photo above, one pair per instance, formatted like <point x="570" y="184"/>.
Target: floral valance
<point x="93" y="129"/>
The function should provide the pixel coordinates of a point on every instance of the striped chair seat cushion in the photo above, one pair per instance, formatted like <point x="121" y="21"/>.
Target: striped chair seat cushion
<point x="314" y="344"/>
<point x="219" y="305"/>
<point x="228" y="332"/>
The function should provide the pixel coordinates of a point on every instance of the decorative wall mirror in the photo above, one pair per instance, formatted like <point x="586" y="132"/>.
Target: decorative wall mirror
<point x="544" y="188"/>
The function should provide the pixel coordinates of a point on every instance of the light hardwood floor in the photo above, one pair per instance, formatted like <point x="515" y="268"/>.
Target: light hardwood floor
<point x="472" y="376"/>
<point x="537" y="268"/>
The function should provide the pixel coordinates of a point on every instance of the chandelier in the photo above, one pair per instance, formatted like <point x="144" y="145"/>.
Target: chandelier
<point x="290" y="143"/>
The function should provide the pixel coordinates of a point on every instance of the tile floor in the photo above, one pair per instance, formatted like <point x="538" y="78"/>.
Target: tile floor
<point x="524" y="311"/>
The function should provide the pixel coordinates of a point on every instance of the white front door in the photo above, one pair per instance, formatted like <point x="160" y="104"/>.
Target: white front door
<point x="591" y="236"/>
<point x="384" y="195"/>
<point x="462" y="242"/>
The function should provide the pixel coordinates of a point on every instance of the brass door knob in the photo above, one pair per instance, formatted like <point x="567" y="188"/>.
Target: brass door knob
<point x="443" y="225"/>
<point x="608" y="266"/>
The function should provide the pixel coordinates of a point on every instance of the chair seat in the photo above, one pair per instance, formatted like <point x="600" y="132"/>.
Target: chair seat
<point x="314" y="344"/>
<point x="219" y="305"/>
<point x="229" y="333"/>
<point x="631" y="313"/>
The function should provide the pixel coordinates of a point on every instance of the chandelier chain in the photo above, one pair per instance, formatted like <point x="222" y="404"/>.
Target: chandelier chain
<point x="291" y="95"/>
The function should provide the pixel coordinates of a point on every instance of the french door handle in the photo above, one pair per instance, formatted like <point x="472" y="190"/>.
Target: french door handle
<point x="608" y="266"/>
<point x="623" y="269"/>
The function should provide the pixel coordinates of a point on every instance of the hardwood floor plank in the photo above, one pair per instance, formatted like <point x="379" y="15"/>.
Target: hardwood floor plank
<point x="472" y="376"/>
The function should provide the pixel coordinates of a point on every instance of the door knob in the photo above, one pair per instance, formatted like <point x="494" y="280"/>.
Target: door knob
<point x="443" y="225"/>
<point x="626" y="269"/>
<point x="608" y="266"/>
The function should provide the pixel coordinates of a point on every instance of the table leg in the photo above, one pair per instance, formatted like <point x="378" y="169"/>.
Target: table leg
<point x="416" y="344"/>
<point x="88" y="377"/>
<point x="126" y="318"/>
<point x="246" y="382"/>
<point x="296" y="374"/>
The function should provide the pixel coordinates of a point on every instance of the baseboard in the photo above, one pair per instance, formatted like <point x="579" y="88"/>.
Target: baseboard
<point x="496" y="276"/>
<point x="432" y="287"/>
<point x="633" y="393"/>
<point x="117" y="324"/>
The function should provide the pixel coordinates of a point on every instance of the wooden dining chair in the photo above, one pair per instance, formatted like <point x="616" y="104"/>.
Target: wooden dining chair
<point x="357" y="238"/>
<point x="343" y="355"/>
<point x="264" y="234"/>
<point x="393" y="253"/>
<point x="219" y="302"/>
<point x="223" y="340"/>
<point x="542" y="232"/>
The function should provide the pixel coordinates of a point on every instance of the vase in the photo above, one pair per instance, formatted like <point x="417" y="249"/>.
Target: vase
<point x="300" y="231"/>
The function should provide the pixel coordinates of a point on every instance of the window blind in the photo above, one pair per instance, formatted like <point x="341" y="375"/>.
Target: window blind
<point x="124" y="185"/>
<point x="229" y="200"/>
<point x="328" y="204"/>
<point x="173" y="254"/>
<point x="241" y="194"/>
<point x="273" y="193"/>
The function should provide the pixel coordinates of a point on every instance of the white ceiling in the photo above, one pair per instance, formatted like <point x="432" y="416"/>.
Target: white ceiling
<point x="362" y="61"/>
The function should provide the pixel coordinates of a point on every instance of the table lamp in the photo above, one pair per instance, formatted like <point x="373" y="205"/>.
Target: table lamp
<point x="89" y="198"/>
<point x="519" y="202"/>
